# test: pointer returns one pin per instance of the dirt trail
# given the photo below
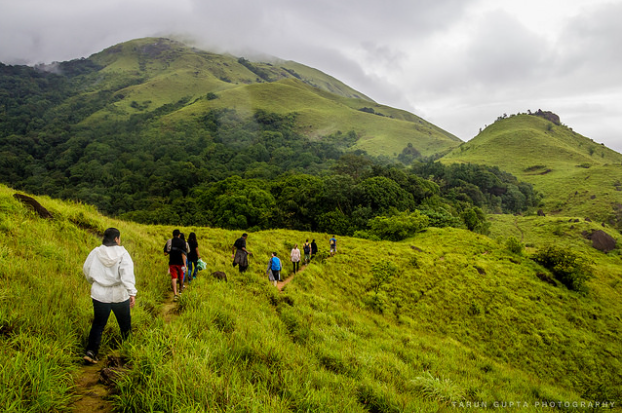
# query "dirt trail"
(92, 391)
(91, 388)
(169, 309)
(281, 284)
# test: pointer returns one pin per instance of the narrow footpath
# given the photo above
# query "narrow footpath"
(91, 391)
(91, 387)
(93, 383)
(281, 284)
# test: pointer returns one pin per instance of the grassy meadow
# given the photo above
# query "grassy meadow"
(448, 319)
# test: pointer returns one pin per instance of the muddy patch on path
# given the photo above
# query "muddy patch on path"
(281, 284)
(92, 391)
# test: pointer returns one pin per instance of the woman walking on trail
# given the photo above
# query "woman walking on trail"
(313, 248)
(295, 257)
(193, 256)
(184, 279)
(307, 250)
(240, 253)
(274, 269)
(110, 271)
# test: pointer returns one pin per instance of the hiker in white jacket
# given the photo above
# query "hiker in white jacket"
(110, 271)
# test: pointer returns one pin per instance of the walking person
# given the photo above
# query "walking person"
(240, 253)
(333, 245)
(193, 256)
(274, 269)
(313, 248)
(295, 257)
(110, 271)
(307, 250)
(184, 278)
(176, 261)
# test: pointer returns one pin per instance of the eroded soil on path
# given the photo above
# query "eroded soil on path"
(92, 391)
(95, 382)
(281, 284)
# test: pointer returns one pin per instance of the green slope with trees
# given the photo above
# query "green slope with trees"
(141, 127)
(575, 175)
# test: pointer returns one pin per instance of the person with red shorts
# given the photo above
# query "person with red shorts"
(176, 250)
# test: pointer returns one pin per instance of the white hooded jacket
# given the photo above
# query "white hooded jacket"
(110, 270)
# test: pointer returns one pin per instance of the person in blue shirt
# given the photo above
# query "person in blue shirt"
(333, 245)
(274, 269)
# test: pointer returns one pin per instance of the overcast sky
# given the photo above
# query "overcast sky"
(457, 63)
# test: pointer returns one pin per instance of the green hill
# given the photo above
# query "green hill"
(141, 125)
(448, 319)
(164, 71)
(577, 176)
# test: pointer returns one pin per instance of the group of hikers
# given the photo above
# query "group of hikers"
(240, 256)
(110, 271)
(183, 260)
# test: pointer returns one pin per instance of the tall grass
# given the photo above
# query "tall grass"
(462, 320)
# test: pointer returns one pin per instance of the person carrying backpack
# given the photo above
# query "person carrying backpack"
(333, 245)
(240, 254)
(274, 269)
(307, 250)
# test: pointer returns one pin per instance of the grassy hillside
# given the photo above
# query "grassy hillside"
(161, 71)
(577, 176)
(385, 132)
(429, 324)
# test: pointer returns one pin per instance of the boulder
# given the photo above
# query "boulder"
(603, 241)
(219, 275)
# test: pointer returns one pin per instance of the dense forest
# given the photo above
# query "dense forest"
(224, 169)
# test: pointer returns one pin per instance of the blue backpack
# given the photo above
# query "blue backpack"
(275, 264)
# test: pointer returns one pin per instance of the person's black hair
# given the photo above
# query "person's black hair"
(192, 237)
(109, 235)
(244, 235)
(274, 253)
(176, 233)
(182, 236)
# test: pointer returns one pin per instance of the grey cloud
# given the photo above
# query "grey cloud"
(590, 44)
(392, 52)
(505, 52)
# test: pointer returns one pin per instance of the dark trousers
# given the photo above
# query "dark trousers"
(296, 266)
(102, 312)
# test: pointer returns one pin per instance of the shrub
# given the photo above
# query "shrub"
(475, 220)
(514, 246)
(398, 227)
(570, 268)
(441, 218)
(366, 235)
(383, 272)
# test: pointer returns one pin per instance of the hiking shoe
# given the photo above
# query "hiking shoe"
(90, 357)
(176, 298)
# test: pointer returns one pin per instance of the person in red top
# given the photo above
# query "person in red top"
(176, 251)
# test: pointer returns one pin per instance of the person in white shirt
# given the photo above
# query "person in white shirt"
(110, 271)
(295, 257)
